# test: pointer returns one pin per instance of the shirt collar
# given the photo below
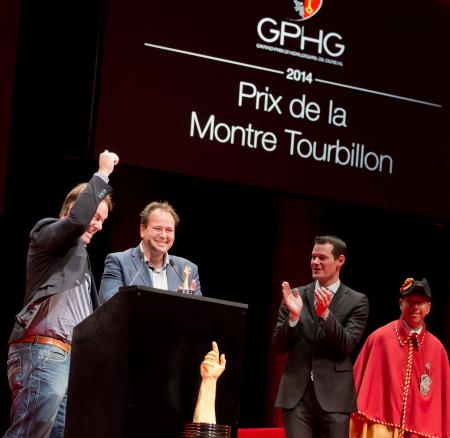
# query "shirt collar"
(332, 287)
(146, 261)
(411, 330)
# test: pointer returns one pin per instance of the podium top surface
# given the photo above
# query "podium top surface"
(127, 289)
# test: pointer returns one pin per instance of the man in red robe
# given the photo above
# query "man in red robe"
(402, 375)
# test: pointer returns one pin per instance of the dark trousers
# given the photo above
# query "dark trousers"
(309, 420)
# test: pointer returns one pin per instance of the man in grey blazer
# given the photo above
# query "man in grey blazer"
(319, 325)
(150, 264)
(60, 293)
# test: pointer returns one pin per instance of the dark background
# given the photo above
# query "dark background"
(245, 239)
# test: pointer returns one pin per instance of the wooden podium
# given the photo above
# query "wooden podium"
(135, 364)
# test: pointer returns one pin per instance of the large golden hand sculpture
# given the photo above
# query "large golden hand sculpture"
(211, 368)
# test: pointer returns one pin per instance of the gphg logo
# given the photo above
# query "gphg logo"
(270, 31)
(306, 9)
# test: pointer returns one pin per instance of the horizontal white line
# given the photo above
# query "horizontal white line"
(214, 58)
(271, 70)
(366, 90)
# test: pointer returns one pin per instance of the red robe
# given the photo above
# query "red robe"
(381, 374)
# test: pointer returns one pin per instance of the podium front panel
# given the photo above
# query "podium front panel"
(135, 364)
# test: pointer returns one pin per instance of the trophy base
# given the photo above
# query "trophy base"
(206, 430)
(181, 290)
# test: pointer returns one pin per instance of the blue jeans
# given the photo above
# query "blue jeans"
(38, 376)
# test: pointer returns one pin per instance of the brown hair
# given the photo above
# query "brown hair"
(339, 246)
(163, 205)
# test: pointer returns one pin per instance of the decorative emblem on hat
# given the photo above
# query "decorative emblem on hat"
(407, 284)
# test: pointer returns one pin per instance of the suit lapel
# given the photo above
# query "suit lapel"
(309, 295)
(172, 279)
(93, 288)
(338, 299)
(310, 325)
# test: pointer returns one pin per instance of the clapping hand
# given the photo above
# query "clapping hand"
(292, 300)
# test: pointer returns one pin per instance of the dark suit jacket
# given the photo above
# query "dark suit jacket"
(57, 259)
(323, 347)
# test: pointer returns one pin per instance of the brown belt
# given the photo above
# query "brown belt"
(37, 339)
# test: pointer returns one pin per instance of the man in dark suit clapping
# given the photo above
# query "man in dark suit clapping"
(319, 325)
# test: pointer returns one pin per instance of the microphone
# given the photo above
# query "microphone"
(181, 288)
(172, 263)
(138, 270)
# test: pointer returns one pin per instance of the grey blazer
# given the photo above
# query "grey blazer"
(322, 347)
(127, 268)
(57, 259)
